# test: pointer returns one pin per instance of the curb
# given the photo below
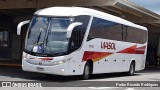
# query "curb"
(11, 65)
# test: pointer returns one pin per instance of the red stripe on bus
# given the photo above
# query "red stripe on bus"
(140, 50)
(130, 50)
(46, 58)
(96, 56)
(134, 50)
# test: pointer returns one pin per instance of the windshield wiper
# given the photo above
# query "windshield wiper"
(37, 40)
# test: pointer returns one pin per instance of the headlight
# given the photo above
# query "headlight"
(61, 61)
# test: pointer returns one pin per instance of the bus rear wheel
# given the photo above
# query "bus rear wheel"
(86, 71)
(131, 69)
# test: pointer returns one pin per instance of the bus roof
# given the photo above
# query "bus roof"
(76, 11)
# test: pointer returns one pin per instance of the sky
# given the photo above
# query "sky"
(153, 5)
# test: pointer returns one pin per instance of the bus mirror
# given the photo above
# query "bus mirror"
(71, 27)
(20, 26)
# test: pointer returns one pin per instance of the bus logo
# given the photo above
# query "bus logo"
(40, 63)
(108, 45)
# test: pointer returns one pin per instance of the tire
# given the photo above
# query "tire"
(131, 69)
(86, 71)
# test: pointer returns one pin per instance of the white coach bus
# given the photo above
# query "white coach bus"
(82, 41)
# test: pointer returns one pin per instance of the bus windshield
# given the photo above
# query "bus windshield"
(48, 35)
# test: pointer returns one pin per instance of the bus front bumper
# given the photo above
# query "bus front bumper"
(56, 69)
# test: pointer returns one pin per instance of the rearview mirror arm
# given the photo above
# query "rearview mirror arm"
(20, 26)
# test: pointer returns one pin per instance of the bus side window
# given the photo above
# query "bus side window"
(76, 38)
(135, 35)
(90, 37)
(78, 32)
(105, 29)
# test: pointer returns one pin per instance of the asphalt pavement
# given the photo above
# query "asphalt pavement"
(100, 81)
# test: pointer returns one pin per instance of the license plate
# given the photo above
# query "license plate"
(40, 68)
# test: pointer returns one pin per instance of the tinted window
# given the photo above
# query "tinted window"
(105, 29)
(78, 32)
(101, 28)
(135, 35)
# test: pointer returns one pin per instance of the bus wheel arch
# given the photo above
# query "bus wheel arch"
(88, 69)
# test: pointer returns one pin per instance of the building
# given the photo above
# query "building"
(13, 12)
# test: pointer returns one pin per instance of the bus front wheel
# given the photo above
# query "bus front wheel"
(86, 71)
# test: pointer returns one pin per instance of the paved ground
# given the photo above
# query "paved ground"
(74, 83)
